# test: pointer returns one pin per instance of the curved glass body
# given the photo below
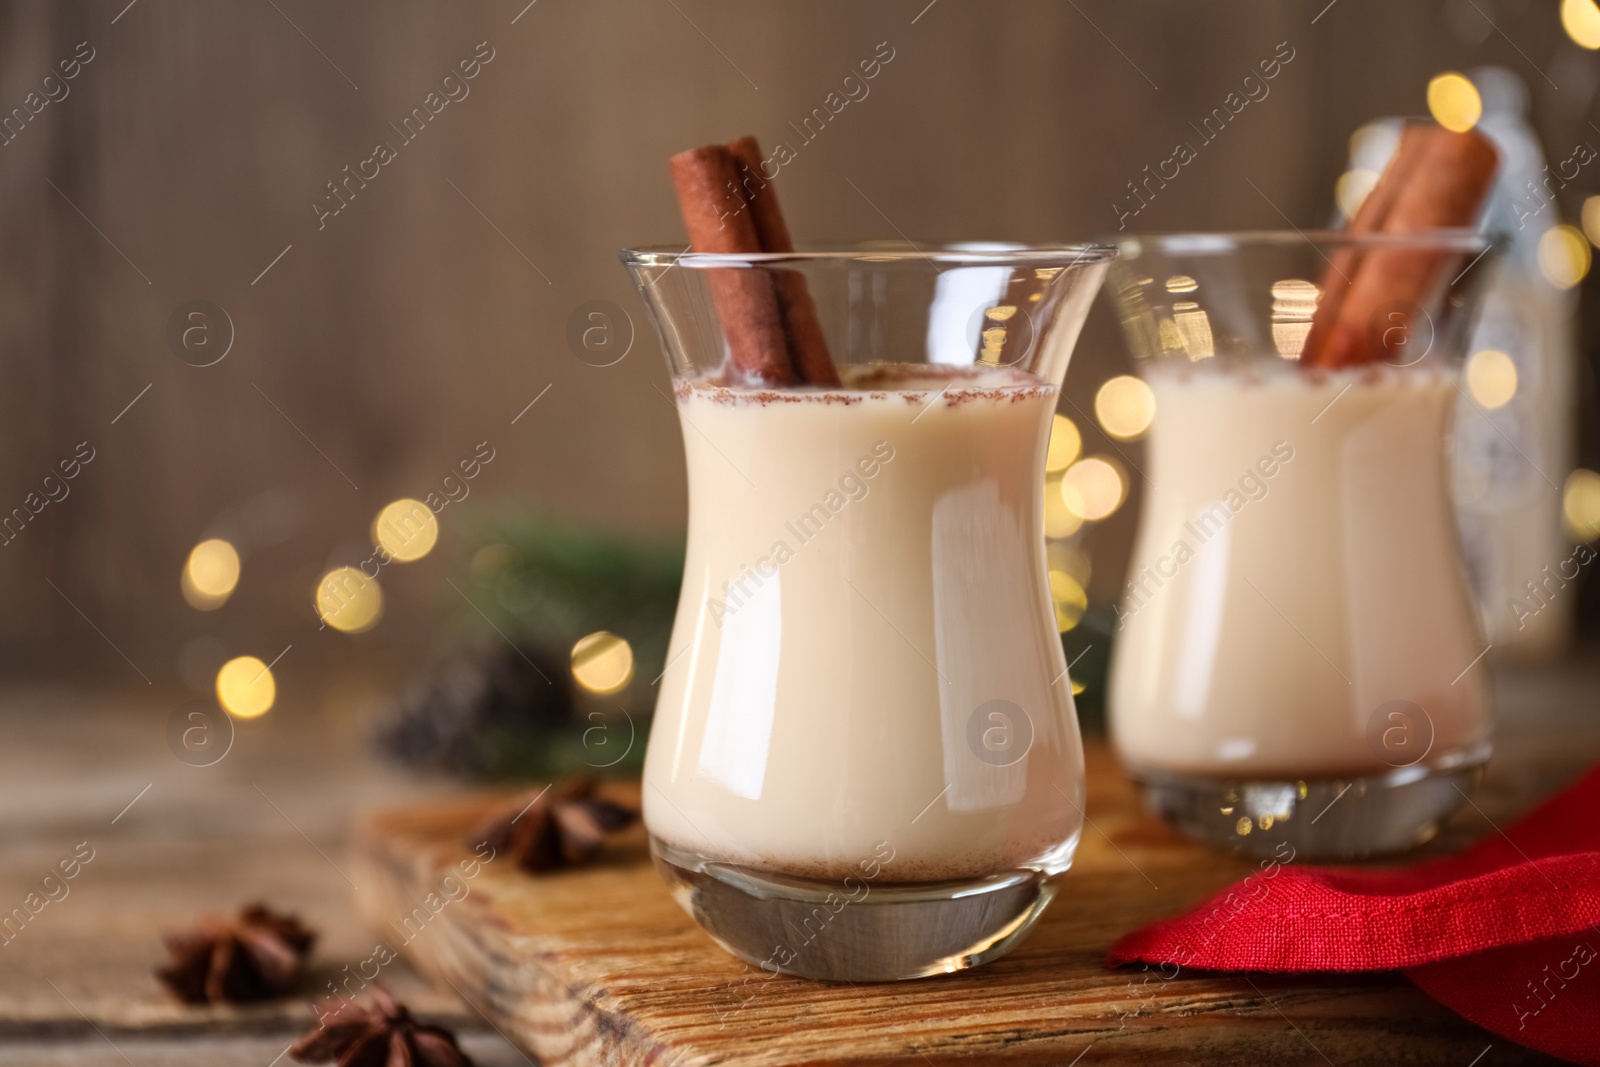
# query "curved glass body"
(866, 708)
(1297, 624)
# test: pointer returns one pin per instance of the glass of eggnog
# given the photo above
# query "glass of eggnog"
(1298, 663)
(864, 763)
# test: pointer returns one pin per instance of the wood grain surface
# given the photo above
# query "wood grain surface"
(600, 967)
(171, 842)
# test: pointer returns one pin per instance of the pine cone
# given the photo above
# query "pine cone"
(563, 825)
(254, 957)
(476, 713)
(355, 1036)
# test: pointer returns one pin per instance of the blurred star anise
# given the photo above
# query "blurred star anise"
(564, 825)
(356, 1036)
(255, 956)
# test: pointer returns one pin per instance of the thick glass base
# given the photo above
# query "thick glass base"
(1344, 818)
(860, 929)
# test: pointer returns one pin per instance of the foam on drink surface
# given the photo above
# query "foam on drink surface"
(910, 383)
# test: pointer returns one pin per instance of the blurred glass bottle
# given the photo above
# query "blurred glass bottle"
(1513, 437)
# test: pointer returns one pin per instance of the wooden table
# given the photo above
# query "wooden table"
(599, 966)
(269, 822)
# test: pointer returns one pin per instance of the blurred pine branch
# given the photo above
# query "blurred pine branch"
(550, 582)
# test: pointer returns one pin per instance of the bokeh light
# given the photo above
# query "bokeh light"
(245, 687)
(602, 663)
(1065, 444)
(1581, 19)
(1069, 598)
(348, 600)
(1351, 190)
(1093, 488)
(1591, 220)
(1454, 102)
(492, 558)
(1491, 378)
(210, 575)
(1375, 142)
(1563, 256)
(1071, 559)
(1294, 305)
(1059, 521)
(1125, 406)
(1192, 330)
(406, 529)
(1580, 505)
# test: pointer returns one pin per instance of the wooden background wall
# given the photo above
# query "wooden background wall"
(381, 348)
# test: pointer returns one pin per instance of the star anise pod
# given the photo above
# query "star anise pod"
(565, 825)
(384, 1036)
(255, 956)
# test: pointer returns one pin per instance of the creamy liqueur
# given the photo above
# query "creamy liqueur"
(865, 652)
(1297, 574)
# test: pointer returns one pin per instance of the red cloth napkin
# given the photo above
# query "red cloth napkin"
(1506, 934)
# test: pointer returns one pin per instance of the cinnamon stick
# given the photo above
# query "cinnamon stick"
(1438, 179)
(706, 180)
(1370, 217)
(808, 348)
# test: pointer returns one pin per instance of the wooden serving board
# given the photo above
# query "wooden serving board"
(600, 966)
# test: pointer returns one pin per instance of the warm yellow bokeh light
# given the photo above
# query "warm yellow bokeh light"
(210, 574)
(602, 663)
(1069, 598)
(1294, 305)
(1454, 102)
(1059, 521)
(406, 529)
(1351, 190)
(1376, 141)
(1591, 220)
(1065, 444)
(1491, 378)
(492, 559)
(245, 687)
(1581, 19)
(1092, 488)
(1580, 505)
(1070, 559)
(1125, 406)
(1563, 256)
(348, 600)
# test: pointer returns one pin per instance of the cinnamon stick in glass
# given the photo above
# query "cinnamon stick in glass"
(1438, 179)
(808, 348)
(715, 215)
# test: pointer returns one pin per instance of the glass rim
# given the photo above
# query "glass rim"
(961, 254)
(1200, 243)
